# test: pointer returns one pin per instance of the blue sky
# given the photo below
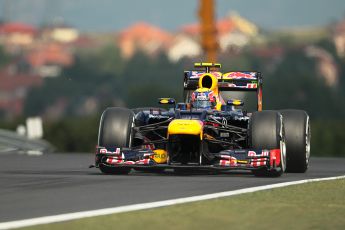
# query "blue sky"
(112, 15)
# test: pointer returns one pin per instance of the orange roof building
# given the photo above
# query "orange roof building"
(52, 53)
(144, 37)
(17, 34)
(17, 27)
(232, 31)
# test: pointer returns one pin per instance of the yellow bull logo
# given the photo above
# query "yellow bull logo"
(160, 156)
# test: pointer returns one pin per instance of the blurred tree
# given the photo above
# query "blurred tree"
(4, 58)
(86, 78)
(296, 84)
(73, 134)
(110, 60)
(239, 62)
(328, 138)
(293, 82)
(329, 46)
(148, 79)
(140, 82)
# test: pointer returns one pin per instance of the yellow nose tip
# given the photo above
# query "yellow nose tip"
(182, 126)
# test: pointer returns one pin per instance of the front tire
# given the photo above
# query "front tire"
(297, 134)
(266, 131)
(115, 130)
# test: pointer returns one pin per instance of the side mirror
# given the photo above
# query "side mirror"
(166, 101)
(234, 102)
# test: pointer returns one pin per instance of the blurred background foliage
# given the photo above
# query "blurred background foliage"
(101, 78)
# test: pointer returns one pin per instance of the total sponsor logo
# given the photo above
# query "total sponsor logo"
(159, 156)
(105, 151)
(198, 74)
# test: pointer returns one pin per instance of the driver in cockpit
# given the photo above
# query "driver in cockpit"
(204, 98)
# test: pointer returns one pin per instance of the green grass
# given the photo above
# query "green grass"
(318, 205)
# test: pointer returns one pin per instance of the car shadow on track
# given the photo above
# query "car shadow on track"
(171, 173)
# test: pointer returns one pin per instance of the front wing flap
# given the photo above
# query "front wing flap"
(247, 159)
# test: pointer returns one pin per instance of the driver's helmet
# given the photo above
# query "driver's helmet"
(203, 98)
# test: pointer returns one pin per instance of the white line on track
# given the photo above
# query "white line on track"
(135, 207)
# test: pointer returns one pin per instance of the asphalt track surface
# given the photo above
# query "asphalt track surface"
(35, 186)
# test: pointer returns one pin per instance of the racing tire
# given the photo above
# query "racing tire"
(266, 131)
(115, 130)
(297, 137)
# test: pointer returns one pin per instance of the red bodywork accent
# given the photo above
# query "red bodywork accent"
(210, 123)
(257, 162)
(275, 157)
(259, 95)
(120, 161)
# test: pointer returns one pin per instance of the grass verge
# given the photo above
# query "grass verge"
(318, 205)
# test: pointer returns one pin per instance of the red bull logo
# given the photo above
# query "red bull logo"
(240, 75)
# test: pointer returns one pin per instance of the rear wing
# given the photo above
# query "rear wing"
(230, 81)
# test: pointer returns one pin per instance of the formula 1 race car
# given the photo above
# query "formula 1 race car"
(205, 132)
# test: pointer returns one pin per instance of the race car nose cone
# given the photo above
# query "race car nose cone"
(182, 126)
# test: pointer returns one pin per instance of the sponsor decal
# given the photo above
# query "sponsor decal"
(117, 161)
(248, 86)
(114, 160)
(198, 74)
(252, 86)
(239, 75)
(227, 161)
(251, 153)
(258, 161)
(160, 156)
(202, 97)
(105, 151)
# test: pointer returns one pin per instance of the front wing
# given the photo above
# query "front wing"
(245, 159)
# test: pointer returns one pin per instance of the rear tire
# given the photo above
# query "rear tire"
(266, 131)
(297, 135)
(115, 130)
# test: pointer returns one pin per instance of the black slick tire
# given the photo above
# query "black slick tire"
(266, 131)
(297, 136)
(115, 130)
